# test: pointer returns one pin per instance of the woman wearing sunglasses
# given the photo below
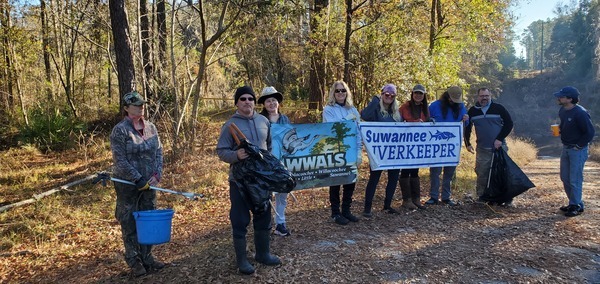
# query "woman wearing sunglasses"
(340, 107)
(383, 108)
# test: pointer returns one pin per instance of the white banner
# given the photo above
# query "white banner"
(407, 145)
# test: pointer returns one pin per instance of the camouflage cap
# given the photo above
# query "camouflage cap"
(133, 98)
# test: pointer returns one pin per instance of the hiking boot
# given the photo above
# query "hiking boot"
(418, 204)
(138, 269)
(156, 265)
(432, 201)
(449, 202)
(566, 208)
(407, 203)
(367, 214)
(573, 211)
(281, 230)
(390, 210)
(350, 217)
(340, 220)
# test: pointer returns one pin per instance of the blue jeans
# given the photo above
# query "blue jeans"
(434, 178)
(571, 173)
(280, 205)
(390, 188)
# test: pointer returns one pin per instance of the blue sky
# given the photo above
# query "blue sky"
(528, 11)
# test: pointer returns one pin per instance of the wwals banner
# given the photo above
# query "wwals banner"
(406, 145)
(319, 154)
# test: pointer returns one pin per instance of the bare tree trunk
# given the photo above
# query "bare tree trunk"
(46, 51)
(317, 83)
(207, 41)
(347, 36)
(161, 20)
(12, 71)
(121, 35)
(145, 34)
(177, 114)
(432, 26)
(8, 80)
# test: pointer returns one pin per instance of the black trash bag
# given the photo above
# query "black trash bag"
(260, 174)
(506, 179)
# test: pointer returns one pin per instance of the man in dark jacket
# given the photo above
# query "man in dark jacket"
(492, 124)
(257, 129)
(576, 132)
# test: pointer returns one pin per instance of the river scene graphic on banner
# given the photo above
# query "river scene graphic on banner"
(317, 154)
(402, 145)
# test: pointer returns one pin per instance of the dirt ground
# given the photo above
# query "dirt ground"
(471, 243)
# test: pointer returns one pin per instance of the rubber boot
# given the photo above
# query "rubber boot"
(261, 242)
(241, 256)
(415, 189)
(406, 195)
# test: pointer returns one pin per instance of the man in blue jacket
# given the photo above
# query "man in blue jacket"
(576, 132)
(492, 124)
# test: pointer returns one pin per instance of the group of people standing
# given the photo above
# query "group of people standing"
(339, 107)
(138, 158)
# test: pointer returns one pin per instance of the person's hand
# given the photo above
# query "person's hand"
(241, 154)
(142, 185)
(465, 117)
(497, 144)
(153, 180)
(470, 149)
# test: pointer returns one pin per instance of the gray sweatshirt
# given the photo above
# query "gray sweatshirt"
(257, 130)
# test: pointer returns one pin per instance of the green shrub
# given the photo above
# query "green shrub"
(51, 131)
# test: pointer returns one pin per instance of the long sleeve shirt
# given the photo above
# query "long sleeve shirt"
(493, 124)
(136, 154)
(576, 126)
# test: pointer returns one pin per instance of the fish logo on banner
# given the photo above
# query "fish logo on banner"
(442, 135)
(402, 145)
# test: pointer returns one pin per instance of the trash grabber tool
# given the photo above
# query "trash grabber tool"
(490, 174)
(105, 176)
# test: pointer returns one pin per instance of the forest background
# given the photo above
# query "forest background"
(67, 63)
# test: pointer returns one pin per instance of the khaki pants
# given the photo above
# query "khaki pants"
(483, 160)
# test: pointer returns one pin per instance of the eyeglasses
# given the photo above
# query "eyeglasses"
(340, 91)
(389, 95)
(243, 99)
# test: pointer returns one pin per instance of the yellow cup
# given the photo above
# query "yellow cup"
(555, 131)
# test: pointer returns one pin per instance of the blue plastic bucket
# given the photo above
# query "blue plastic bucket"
(153, 226)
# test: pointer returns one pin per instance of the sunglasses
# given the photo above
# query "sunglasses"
(243, 99)
(389, 95)
(340, 91)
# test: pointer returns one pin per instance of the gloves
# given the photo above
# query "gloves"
(153, 180)
(141, 185)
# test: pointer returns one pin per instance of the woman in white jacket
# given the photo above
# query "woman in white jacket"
(340, 107)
